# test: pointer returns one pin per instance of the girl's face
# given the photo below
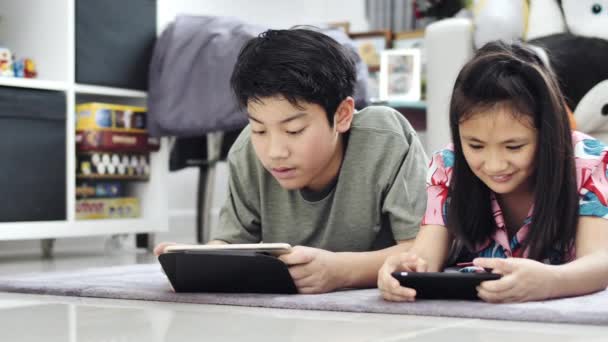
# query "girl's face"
(500, 149)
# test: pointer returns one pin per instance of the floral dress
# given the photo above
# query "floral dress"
(591, 158)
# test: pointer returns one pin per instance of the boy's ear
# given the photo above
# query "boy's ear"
(344, 115)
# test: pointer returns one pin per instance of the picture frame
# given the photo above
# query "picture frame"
(400, 75)
(408, 40)
(344, 26)
(370, 44)
(413, 40)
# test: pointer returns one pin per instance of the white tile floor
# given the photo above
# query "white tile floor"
(67, 319)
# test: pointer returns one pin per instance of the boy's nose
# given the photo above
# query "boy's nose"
(277, 149)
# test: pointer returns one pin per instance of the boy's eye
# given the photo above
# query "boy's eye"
(295, 132)
(515, 148)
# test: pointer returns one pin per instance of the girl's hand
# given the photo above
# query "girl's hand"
(389, 286)
(522, 280)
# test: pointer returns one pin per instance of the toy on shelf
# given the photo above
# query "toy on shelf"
(111, 117)
(107, 208)
(29, 70)
(25, 68)
(6, 62)
(88, 189)
(104, 165)
(113, 147)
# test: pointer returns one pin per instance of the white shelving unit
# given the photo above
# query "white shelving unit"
(45, 31)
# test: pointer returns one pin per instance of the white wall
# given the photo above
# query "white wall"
(268, 13)
(271, 13)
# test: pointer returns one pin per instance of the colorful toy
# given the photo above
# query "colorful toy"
(19, 68)
(6, 62)
(29, 68)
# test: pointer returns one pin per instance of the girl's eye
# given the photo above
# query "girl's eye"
(476, 147)
(515, 148)
(295, 132)
(258, 132)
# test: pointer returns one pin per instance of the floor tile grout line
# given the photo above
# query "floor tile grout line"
(426, 331)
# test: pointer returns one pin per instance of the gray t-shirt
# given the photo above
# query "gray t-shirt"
(378, 197)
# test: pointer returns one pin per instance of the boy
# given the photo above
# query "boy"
(309, 171)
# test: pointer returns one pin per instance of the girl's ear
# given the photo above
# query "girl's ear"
(344, 115)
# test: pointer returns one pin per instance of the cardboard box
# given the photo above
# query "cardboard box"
(92, 140)
(90, 189)
(111, 117)
(107, 208)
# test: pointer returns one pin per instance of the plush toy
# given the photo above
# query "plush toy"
(579, 58)
(499, 20)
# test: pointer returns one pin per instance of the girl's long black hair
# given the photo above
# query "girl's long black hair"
(512, 74)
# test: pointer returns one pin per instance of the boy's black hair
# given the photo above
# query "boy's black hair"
(513, 75)
(297, 64)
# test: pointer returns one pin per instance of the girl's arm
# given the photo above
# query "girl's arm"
(428, 254)
(432, 244)
(527, 280)
(589, 272)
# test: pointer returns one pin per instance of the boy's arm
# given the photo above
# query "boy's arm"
(217, 242)
(431, 244)
(360, 269)
(317, 270)
(239, 220)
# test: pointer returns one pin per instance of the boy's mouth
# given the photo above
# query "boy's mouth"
(283, 172)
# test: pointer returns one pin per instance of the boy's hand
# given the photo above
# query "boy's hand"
(522, 280)
(160, 248)
(313, 270)
(390, 287)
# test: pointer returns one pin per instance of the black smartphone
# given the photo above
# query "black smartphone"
(444, 285)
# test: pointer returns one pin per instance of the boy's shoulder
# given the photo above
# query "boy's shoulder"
(241, 152)
(381, 119)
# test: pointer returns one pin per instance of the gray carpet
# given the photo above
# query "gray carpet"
(147, 282)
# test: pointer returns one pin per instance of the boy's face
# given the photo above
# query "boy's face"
(296, 145)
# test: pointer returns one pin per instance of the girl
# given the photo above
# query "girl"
(518, 192)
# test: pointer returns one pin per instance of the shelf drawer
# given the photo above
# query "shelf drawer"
(32, 155)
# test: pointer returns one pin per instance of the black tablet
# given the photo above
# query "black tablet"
(444, 285)
(230, 271)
